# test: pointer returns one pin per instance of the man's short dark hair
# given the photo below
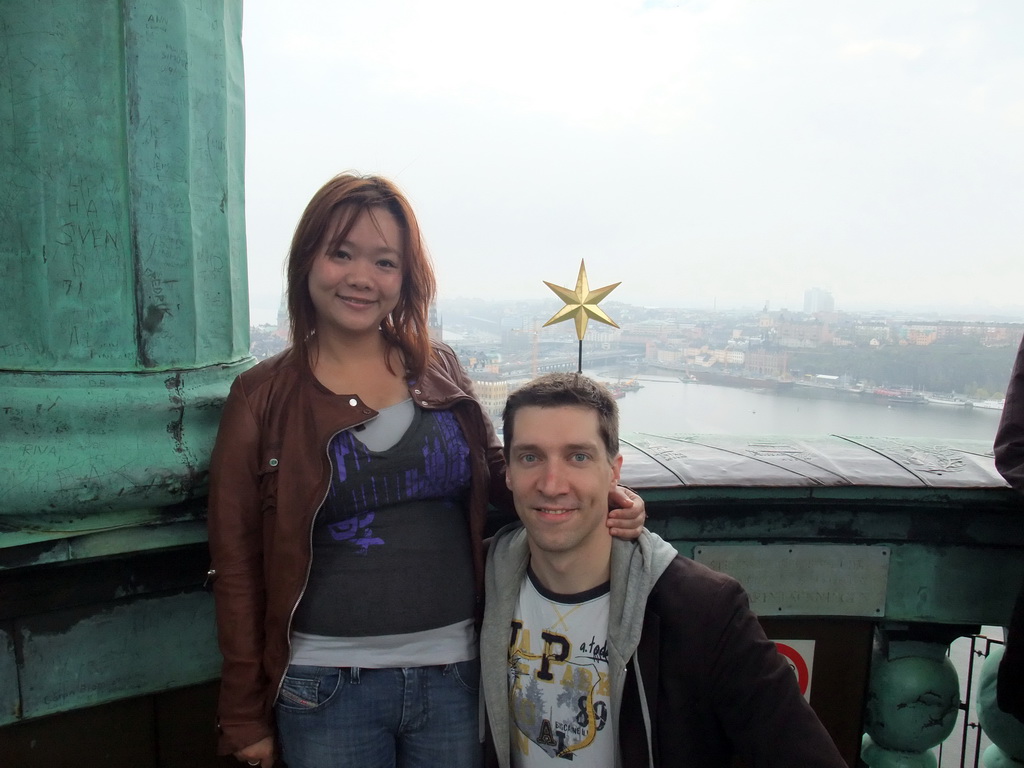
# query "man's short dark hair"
(558, 389)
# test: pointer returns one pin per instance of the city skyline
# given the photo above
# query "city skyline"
(541, 306)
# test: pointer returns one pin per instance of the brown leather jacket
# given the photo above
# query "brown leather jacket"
(269, 473)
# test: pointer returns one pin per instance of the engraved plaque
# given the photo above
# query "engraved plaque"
(805, 579)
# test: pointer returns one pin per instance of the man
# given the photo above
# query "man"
(1009, 454)
(618, 653)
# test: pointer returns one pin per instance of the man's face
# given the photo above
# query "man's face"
(560, 475)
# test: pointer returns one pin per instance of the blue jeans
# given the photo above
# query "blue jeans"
(417, 717)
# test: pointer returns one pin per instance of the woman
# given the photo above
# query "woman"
(349, 485)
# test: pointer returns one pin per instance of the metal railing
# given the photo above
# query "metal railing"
(968, 741)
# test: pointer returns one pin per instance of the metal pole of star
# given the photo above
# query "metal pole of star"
(581, 305)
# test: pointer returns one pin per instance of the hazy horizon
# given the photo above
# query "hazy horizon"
(544, 306)
(712, 153)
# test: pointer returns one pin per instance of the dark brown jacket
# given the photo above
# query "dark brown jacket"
(1009, 442)
(693, 680)
(269, 474)
(704, 705)
(1009, 451)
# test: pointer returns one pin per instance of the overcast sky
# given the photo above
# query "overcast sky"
(707, 153)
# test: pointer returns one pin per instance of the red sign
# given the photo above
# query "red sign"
(800, 655)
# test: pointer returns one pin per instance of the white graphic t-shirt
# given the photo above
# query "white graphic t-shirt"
(558, 681)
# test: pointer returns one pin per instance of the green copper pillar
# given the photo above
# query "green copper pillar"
(123, 296)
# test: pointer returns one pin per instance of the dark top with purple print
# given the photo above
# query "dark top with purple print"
(391, 536)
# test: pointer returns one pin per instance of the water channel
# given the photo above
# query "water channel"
(665, 405)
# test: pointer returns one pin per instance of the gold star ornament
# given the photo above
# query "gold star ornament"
(581, 304)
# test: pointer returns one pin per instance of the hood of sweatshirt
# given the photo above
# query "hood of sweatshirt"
(635, 567)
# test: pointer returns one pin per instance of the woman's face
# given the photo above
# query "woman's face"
(355, 285)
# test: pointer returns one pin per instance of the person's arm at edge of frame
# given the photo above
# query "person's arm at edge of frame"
(1009, 455)
(235, 524)
(1009, 441)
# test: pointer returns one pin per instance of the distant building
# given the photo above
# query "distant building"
(874, 333)
(919, 335)
(284, 322)
(818, 300)
(435, 328)
(665, 355)
(769, 364)
(492, 390)
(805, 335)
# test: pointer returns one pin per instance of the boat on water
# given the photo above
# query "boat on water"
(619, 387)
(617, 390)
(950, 400)
(989, 405)
(729, 379)
(894, 397)
(826, 391)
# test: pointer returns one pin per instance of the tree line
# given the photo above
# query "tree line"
(945, 366)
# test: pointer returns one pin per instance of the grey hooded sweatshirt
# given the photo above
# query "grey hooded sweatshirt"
(635, 568)
(694, 679)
